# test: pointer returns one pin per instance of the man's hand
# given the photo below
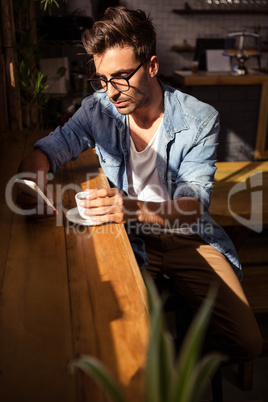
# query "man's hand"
(35, 207)
(109, 205)
(35, 167)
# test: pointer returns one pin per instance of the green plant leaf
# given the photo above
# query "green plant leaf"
(167, 371)
(48, 3)
(159, 370)
(61, 71)
(46, 98)
(190, 349)
(200, 377)
(203, 372)
(152, 375)
(95, 369)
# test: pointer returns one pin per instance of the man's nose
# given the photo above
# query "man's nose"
(111, 91)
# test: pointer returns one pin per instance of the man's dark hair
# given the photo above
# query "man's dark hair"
(120, 26)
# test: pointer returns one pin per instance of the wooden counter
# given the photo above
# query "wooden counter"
(240, 194)
(187, 78)
(66, 290)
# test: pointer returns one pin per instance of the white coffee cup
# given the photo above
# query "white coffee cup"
(80, 197)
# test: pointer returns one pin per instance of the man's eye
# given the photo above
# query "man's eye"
(100, 77)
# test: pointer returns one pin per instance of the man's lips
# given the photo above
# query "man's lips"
(119, 103)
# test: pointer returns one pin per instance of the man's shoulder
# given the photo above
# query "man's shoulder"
(188, 104)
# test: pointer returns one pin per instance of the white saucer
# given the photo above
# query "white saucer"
(73, 216)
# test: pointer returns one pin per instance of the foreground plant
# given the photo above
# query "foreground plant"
(165, 380)
(48, 4)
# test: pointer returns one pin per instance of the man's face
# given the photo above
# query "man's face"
(120, 62)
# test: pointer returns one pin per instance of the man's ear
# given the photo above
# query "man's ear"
(153, 66)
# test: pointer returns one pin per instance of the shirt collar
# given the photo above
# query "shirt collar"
(174, 119)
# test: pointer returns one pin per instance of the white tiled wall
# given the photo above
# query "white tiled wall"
(175, 29)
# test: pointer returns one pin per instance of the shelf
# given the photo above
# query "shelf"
(186, 48)
(183, 48)
(204, 78)
(213, 11)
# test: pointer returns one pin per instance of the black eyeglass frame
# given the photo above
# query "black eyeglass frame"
(104, 88)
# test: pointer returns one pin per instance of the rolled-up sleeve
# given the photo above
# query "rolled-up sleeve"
(67, 142)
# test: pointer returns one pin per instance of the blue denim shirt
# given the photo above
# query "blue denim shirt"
(186, 155)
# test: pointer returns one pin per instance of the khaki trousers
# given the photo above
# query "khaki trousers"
(193, 266)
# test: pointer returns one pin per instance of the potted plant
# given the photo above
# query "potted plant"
(165, 380)
(32, 80)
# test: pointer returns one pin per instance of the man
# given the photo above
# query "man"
(157, 147)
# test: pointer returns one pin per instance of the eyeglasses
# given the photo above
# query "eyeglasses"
(121, 84)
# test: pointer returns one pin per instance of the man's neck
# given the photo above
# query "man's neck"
(145, 118)
(143, 123)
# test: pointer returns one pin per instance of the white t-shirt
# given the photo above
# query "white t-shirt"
(144, 182)
(143, 179)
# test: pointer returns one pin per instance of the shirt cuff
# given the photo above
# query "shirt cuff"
(195, 191)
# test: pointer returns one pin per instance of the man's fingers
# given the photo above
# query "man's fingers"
(102, 193)
(105, 205)
(102, 210)
(34, 208)
(97, 203)
(102, 198)
(116, 218)
(25, 201)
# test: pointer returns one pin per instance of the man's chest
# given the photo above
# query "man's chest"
(143, 136)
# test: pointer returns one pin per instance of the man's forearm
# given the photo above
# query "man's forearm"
(110, 205)
(186, 210)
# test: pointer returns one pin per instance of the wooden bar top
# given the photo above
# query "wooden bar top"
(66, 290)
(240, 194)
